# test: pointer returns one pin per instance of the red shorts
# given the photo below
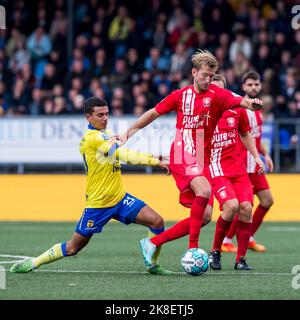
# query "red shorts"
(259, 182)
(187, 195)
(227, 188)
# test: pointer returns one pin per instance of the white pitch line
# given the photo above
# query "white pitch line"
(23, 258)
(283, 229)
(179, 273)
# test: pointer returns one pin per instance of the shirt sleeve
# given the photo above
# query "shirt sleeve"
(243, 122)
(111, 149)
(169, 103)
(103, 143)
(228, 99)
(136, 158)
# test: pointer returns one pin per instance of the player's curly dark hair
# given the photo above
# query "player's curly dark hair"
(92, 102)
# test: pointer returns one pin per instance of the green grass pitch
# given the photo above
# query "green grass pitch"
(111, 267)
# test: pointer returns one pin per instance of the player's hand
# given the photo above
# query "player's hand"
(269, 162)
(164, 159)
(257, 104)
(252, 104)
(122, 138)
(165, 167)
(261, 165)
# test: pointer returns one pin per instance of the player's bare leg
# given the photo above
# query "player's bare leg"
(151, 219)
(207, 215)
(265, 203)
(56, 252)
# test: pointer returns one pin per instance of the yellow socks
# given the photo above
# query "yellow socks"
(157, 251)
(54, 253)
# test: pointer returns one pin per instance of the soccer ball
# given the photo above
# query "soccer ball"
(195, 261)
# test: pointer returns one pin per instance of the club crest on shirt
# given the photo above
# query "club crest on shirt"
(90, 223)
(230, 122)
(206, 102)
(105, 136)
(223, 194)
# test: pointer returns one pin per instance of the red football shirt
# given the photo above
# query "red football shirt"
(197, 117)
(226, 158)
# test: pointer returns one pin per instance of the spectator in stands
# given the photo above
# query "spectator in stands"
(156, 61)
(119, 31)
(183, 33)
(49, 79)
(115, 49)
(134, 64)
(36, 105)
(39, 44)
(100, 66)
(77, 105)
(20, 98)
(178, 62)
(120, 76)
(159, 36)
(240, 44)
(19, 57)
(59, 106)
(15, 37)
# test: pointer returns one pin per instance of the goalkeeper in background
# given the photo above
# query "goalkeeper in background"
(106, 197)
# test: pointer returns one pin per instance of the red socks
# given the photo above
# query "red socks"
(180, 229)
(222, 227)
(197, 212)
(258, 217)
(191, 225)
(243, 232)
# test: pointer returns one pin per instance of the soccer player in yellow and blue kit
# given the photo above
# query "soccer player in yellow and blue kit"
(106, 197)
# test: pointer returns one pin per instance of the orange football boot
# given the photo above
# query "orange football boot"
(229, 247)
(252, 245)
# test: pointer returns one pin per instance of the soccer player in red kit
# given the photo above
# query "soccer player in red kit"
(252, 88)
(230, 182)
(199, 107)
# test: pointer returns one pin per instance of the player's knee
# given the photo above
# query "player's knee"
(158, 222)
(205, 193)
(71, 249)
(230, 209)
(267, 202)
(245, 207)
(245, 211)
(206, 220)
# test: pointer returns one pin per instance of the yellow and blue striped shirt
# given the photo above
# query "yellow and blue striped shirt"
(102, 156)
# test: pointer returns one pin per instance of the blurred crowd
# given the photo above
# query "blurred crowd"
(133, 53)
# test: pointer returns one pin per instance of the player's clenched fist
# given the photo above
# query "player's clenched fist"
(252, 104)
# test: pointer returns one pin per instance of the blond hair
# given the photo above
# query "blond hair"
(204, 57)
(219, 77)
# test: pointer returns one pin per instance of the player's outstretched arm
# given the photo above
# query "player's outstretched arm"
(139, 158)
(249, 144)
(113, 151)
(252, 104)
(140, 123)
